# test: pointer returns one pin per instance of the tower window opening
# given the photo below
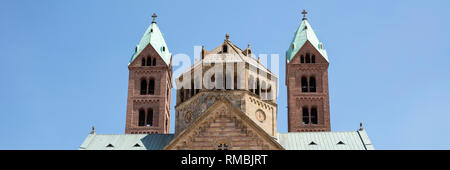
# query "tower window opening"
(264, 90)
(143, 87)
(304, 84)
(258, 87)
(149, 121)
(141, 117)
(302, 59)
(305, 113)
(251, 84)
(149, 61)
(154, 62)
(313, 115)
(308, 59)
(312, 84)
(313, 59)
(151, 86)
(225, 49)
(143, 62)
(269, 93)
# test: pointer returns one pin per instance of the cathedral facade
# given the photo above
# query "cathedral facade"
(227, 100)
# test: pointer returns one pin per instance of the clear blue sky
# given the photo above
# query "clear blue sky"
(63, 64)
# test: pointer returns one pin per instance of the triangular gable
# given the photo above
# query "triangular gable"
(148, 51)
(308, 45)
(212, 128)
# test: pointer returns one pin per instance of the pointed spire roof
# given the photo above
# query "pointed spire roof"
(304, 33)
(154, 37)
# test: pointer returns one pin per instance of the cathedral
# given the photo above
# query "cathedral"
(227, 100)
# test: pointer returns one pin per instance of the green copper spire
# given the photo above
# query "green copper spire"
(304, 33)
(154, 37)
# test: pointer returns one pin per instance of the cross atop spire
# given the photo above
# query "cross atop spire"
(154, 17)
(304, 14)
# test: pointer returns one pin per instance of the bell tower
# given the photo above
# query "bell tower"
(149, 85)
(307, 82)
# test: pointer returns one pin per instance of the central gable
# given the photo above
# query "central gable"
(221, 127)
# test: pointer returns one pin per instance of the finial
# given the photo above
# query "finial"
(248, 46)
(227, 36)
(304, 14)
(154, 17)
(93, 130)
(360, 126)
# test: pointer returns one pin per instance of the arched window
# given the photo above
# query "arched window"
(313, 59)
(312, 84)
(251, 84)
(143, 62)
(308, 59)
(302, 59)
(222, 146)
(149, 61)
(141, 117)
(151, 86)
(314, 115)
(149, 121)
(269, 93)
(154, 61)
(143, 86)
(225, 49)
(264, 90)
(305, 115)
(304, 84)
(258, 87)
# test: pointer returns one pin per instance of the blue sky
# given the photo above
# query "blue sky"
(63, 64)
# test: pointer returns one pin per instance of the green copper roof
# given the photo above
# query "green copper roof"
(154, 37)
(304, 33)
(350, 140)
(126, 142)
